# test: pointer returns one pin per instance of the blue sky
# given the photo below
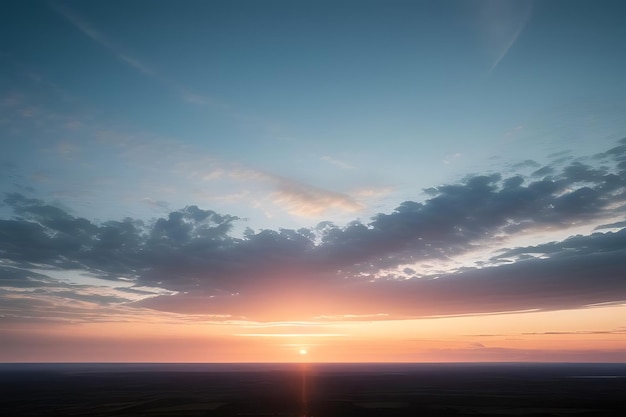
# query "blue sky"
(316, 116)
(350, 97)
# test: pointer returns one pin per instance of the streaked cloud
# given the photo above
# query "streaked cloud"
(298, 198)
(90, 30)
(337, 162)
(291, 335)
(501, 23)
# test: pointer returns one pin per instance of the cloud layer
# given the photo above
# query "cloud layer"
(357, 270)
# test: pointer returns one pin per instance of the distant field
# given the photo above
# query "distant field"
(331, 390)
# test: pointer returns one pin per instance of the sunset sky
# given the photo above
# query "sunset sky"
(371, 181)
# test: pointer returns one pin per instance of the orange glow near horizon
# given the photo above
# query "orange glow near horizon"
(592, 334)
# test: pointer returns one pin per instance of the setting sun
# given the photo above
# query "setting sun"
(303, 352)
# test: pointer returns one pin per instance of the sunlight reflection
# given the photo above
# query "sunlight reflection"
(303, 393)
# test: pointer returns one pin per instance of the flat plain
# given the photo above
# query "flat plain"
(324, 390)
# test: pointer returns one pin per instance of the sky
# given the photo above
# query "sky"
(366, 181)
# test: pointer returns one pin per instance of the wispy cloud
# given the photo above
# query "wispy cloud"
(583, 332)
(90, 30)
(309, 201)
(337, 162)
(298, 198)
(451, 158)
(291, 335)
(502, 22)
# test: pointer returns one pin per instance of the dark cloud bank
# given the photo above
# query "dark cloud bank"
(328, 270)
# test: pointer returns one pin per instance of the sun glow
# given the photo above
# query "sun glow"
(303, 352)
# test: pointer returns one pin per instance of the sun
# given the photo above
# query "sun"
(303, 351)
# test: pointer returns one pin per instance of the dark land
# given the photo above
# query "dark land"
(330, 390)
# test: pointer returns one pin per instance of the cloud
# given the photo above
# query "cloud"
(262, 187)
(88, 29)
(332, 270)
(616, 225)
(451, 158)
(585, 332)
(573, 246)
(542, 172)
(157, 204)
(336, 162)
(309, 201)
(11, 277)
(298, 198)
(621, 330)
(503, 354)
(351, 317)
(529, 163)
(32, 296)
(502, 22)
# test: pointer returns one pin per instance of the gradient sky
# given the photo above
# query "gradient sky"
(368, 180)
